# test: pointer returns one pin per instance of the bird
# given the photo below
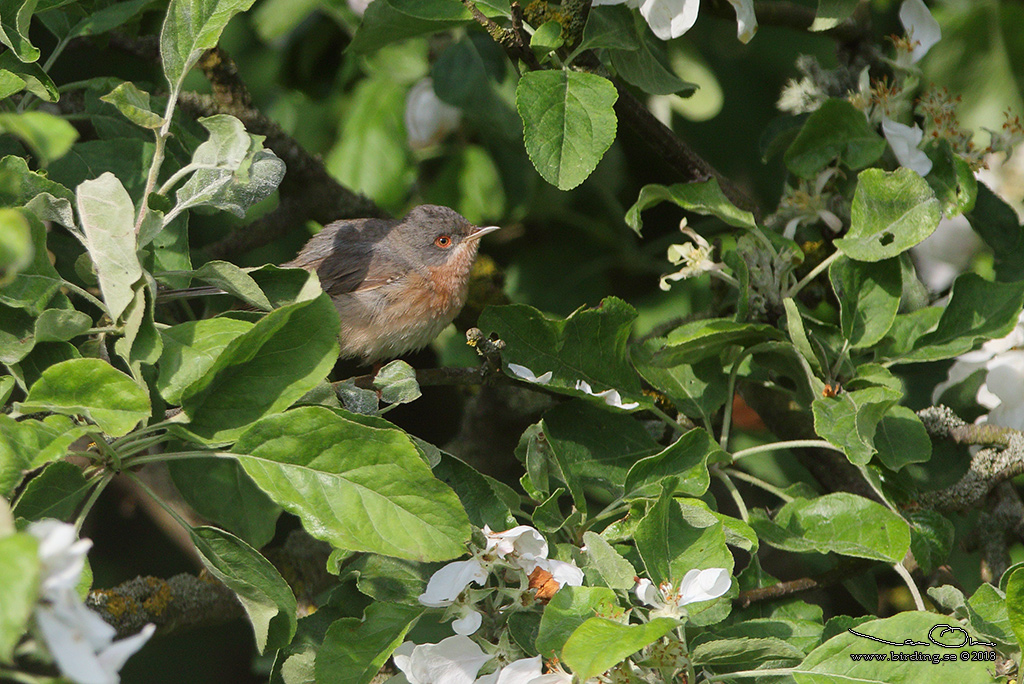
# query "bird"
(396, 283)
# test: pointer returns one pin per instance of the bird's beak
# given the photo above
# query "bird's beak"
(481, 231)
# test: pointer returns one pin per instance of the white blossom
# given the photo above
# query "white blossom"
(1003, 363)
(922, 30)
(81, 643)
(522, 542)
(455, 660)
(695, 257)
(359, 6)
(522, 671)
(528, 375)
(696, 585)
(445, 585)
(904, 141)
(944, 254)
(468, 622)
(563, 572)
(427, 119)
(610, 396)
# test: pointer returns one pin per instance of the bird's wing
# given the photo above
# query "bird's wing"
(343, 257)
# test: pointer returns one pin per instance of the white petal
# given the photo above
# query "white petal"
(611, 397)
(528, 375)
(468, 623)
(904, 141)
(117, 654)
(359, 6)
(522, 671)
(564, 573)
(703, 585)
(522, 541)
(427, 119)
(647, 593)
(669, 18)
(920, 26)
(745, 19)
(62, 557)
(69, 644)
(455, 660)
(446, 584)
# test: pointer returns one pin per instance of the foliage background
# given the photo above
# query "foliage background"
(558, 250)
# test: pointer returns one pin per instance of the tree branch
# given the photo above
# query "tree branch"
(783, 590)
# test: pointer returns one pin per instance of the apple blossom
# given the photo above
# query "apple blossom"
(455, 660)
(521, 541)
(904, 141)
(696, 585)
(695, 255)
(81, 643)
(922, 30)
(445, 585)
(522, 671)
(672, 18)
(427, 119)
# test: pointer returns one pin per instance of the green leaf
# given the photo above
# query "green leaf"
(191, 27)
(27, 76)
(48, 136)
(599, 644)
(610, 26)
(26, 444)
(547, 37)
(60, 325)
(849, 421)
(248, 380)
(931, 538)
(801, 634)
(353, 650)
(442, 10)
(891, 212)
(191, 349)
(831, 662)
(19, 184)
(37, 281)
(108, 18)
(977, 310)
(134, 104)
(646, 66)
(234, 170)
(869, 298)
(996, 223)
(686, 459)
(569, 608)
(952, 180)
(486, 500)
(568, 121)
(610, 568)
(593, 449)
(907, 329)
(90, 388)
(266, 597)
(901, 438)
(372, 153)
(705, 197)
(670, 546)
(697, 390)
(745, 653)
(1014, 602)
(19, 589)
(56, 492)
(397, 384)
(354, 486)
(831, 13)
(16, 251)
(219, 490)
(699, 514)
(108, 221)
(15, 17)
(842, 523)
(382, 24)
(837, 129)
(589, 345)
(699, 340)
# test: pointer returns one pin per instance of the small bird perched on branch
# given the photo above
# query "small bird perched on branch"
(396, 283)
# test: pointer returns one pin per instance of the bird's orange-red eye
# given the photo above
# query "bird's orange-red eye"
(443, 241)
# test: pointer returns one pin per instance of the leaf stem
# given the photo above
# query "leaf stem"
(94, 495)
(178, 456)
(778, 446)
(825, 263)
(733, 492)
(85, 294)
(911, 585)
(758, 482)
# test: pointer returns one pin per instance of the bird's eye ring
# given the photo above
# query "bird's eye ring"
(443, 241)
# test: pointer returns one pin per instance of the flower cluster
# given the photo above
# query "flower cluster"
(696, 585)
(81, 643)
(521, 548)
